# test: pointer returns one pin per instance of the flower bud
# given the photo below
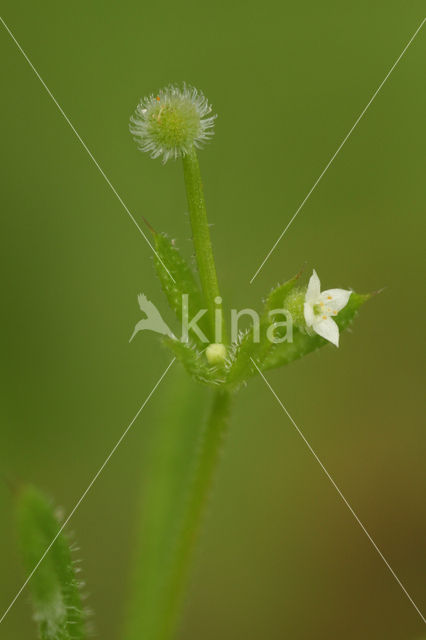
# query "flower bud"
(216, 353)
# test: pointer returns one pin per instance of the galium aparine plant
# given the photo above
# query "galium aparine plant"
(172, 124)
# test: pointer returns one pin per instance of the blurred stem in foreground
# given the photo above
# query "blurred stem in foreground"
(205, 465)
(182, 459)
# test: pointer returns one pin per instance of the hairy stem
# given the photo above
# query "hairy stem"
(201, 239)
(184, 460)
(205, 465)
(180, 465)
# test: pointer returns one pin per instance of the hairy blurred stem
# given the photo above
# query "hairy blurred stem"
(201, 237)
(205, 464)
(177, 476)
(180, 468)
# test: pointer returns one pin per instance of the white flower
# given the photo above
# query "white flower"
(169, 124)
(320, 306)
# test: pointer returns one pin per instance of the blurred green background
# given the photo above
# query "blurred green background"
(281, 556)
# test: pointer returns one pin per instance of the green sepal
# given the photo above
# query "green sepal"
(57, 602)
(184, 281)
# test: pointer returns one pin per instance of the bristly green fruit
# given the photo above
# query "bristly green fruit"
(57, 602)
(171, 123)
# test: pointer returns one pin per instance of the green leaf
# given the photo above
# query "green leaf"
(277, 296)
(185, 282)
(55, 590)
(242, 366)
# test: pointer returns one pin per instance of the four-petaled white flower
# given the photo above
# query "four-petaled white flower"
(320, 306)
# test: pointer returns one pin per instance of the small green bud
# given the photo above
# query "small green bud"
(172, 122)
(216, 353)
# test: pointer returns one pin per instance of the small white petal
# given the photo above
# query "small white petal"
(314, 288)
(327, 329)
(308, 312)
(335, 299)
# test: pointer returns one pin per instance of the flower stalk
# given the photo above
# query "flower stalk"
(201, 238)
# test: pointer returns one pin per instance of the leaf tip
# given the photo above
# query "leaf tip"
(150, 227)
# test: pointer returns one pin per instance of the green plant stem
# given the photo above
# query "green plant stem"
(177, 478)
(183, 468)
(170, 449)
(205, 465)
(201, 237)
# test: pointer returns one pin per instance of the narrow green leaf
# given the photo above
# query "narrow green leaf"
(185, 282)
(57, 603)
(277, 296)
(242, 366)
